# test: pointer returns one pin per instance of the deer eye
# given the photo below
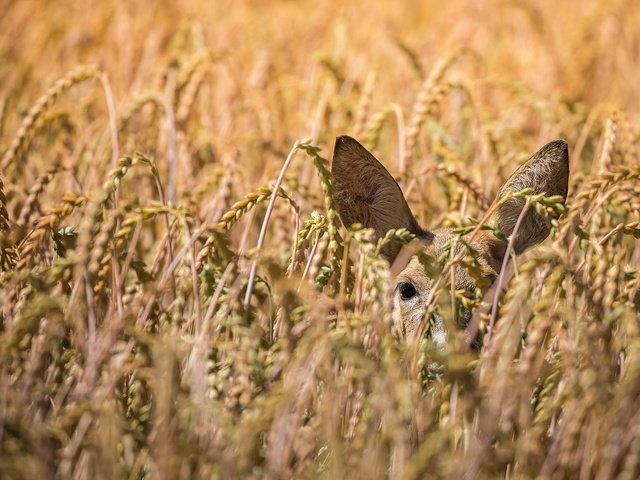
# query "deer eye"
(407, 290)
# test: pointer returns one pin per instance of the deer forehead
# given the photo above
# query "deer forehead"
(433, 247)
(414, 271)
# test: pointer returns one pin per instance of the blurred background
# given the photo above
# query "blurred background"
(577, 51)
(263, 74)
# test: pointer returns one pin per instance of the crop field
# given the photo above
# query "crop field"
(179, 297)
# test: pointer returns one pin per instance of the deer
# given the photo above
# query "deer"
(367, 194)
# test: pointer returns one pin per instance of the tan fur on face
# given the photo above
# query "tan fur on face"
(409, 314)
(366, 193)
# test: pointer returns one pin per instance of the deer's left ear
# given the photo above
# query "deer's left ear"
(366, 193)
(546, 171)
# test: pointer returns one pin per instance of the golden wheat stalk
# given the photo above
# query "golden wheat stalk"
(21, 140)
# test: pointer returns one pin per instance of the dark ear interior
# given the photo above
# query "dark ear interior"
(546, 171)
(366, 193)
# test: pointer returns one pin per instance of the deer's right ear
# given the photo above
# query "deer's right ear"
(366, 193)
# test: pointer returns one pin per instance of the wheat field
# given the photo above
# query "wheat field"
(178, 296)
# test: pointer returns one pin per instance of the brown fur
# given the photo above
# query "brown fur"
(366, 193)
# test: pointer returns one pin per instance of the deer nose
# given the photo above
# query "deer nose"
(407, 290)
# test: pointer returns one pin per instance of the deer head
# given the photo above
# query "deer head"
(367, 194)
